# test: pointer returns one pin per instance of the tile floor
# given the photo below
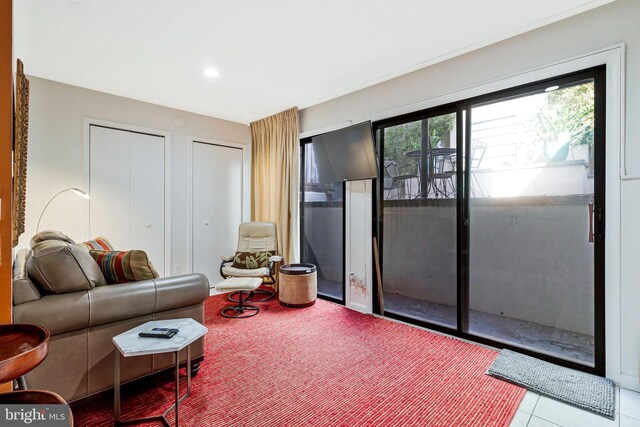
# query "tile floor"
(540, 411)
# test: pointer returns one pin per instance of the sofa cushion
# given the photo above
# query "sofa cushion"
(99, 243)
(50, 235)
(58, 267)
(252, 260)
(124, 266)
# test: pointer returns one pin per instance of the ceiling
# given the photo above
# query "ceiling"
(271, 55)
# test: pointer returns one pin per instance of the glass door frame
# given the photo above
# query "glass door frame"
(341, 301)
(463, 144)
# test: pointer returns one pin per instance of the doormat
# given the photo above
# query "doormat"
(586, 391)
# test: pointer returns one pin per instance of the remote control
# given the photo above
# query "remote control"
(166, 330)
(158, 333)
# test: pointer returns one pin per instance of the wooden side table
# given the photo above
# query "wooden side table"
(129, 344)
(22, 348)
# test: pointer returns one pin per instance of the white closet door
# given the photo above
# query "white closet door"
(109, 178)
(217, 206)
(147, 197)
(126, 182)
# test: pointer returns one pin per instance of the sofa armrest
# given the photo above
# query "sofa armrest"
(181, 291)
(23, 288)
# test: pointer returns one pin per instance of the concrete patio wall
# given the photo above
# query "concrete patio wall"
(324, 234)
(550, 179)
(530, 258)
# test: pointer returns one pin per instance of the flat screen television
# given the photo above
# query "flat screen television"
(346, 154)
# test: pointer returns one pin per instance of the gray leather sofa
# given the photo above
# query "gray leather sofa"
(58, 285)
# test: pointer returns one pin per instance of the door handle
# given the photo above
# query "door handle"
(599, 223)
(591, 232)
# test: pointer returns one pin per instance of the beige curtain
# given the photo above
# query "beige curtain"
(275, 165)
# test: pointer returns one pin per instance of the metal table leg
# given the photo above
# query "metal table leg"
(116, 385)
(162, 418)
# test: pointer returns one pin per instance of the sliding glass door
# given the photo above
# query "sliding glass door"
(532, 195)
(322, 225)
(492, 218)
(419, 211)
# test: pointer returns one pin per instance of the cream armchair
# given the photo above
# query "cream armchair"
(256, 256)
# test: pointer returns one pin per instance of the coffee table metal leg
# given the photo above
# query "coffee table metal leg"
(116, 385)
(177, 358)
(189, 370)
(162, 418)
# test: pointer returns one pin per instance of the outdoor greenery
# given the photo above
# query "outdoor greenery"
(406, 137)
(566, 115)
(564, 118)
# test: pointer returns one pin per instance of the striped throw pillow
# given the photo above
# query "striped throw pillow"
(124, 266)
(99, 243)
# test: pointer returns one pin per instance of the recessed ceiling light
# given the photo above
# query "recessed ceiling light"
(552, 88)
(211, 72)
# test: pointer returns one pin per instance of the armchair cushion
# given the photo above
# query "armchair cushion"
(124, 266)
(252, 260)
(243, 272)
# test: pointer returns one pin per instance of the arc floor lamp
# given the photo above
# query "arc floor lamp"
(74, 190)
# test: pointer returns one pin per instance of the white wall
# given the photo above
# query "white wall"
(56, 113)
(597, 29)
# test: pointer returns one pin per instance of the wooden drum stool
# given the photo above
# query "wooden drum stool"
(297, 285)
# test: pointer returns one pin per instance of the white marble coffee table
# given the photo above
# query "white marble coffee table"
(129, 344)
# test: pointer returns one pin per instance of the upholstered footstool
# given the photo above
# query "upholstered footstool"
(298, 285)
(244, 286)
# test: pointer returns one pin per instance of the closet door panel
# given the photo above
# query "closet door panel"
(109, 185)
(127, 187)
(217, 206)
(147, 197)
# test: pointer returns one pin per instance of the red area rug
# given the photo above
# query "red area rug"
(324, 365)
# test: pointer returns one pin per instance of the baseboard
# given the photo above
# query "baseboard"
(630, 382)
